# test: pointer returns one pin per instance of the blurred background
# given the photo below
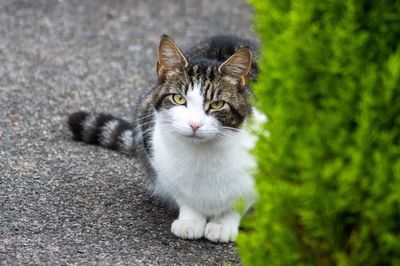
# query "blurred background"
(328, 174)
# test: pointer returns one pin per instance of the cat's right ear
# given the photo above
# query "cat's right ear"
(236, 68)
(170, 59)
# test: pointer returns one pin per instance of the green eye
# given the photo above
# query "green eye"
(178, 99)
(217, 105)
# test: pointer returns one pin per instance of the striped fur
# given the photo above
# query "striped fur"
(103, 129)
(195, 154)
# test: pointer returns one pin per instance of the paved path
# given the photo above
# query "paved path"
(63, 202)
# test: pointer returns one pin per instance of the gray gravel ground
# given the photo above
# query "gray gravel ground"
(63, 202)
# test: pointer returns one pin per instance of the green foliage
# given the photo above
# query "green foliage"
(329, 173)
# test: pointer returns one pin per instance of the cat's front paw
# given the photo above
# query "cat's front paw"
(222, 233)
(188, 229)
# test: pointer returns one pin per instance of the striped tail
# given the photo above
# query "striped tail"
(102, 129)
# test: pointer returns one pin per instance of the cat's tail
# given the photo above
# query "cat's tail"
(102, 129)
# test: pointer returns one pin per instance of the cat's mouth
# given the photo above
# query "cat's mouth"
(194, 136)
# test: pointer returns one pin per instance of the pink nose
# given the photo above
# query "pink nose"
(195, 126)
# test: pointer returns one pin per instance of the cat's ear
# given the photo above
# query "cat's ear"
(236, 68)
(170, 59)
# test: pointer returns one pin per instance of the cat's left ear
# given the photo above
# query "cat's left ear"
(236, 68)
(170, 59)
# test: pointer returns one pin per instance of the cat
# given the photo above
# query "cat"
(190, 134)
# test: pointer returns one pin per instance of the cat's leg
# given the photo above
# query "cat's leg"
(190, 224)
(223, 228)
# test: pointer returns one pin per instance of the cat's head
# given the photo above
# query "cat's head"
(201, 100)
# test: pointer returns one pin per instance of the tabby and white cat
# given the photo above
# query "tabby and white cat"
(190, 134)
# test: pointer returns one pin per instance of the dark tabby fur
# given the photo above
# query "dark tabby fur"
(200, 63)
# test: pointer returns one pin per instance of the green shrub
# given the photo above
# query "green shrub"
(329, 173)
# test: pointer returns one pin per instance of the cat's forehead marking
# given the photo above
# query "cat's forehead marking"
(207, 89)
(194, 95)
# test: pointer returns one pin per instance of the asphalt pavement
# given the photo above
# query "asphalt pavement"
(67, 203)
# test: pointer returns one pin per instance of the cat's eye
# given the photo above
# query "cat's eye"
(178, 99)
(217, 105)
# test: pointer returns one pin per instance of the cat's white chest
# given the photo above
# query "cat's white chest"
(207, 176)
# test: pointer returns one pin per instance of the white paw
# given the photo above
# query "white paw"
(221, 232)
(188, 229)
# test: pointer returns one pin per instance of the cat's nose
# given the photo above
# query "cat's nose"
(195, 126)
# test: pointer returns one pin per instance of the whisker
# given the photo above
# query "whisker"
(143, 118)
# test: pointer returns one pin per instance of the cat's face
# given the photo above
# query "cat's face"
(201, 101)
